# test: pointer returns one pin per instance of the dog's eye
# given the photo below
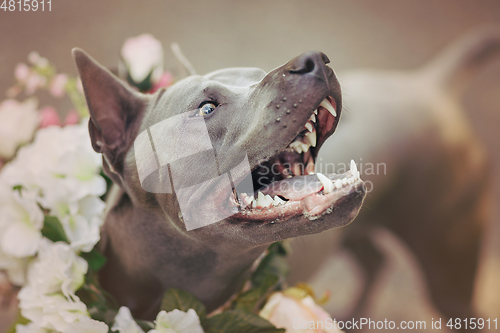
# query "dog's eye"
(206, 109)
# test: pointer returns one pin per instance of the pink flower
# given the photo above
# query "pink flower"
(297, 315)
(22, 72)
(143, 56)
(58, 85)
(49, 117)
(35, 59)
(33, 82)
(165, 81)
(72, 118)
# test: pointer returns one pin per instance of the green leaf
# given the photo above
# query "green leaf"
(251, 300)
(237, 321)
(273, 263)
(183, 300)
(53, 230)
(268, 277)
(95, 259)
(143, 86)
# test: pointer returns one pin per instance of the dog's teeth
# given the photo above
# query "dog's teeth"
(250, 200)
(278, 201)
(260, 199)
(338, 183)
(309, 126)
(310, 139)
(350, 180)
(268, 201)
(358, 175)
(297, 146)
(327, 105)
(354, 168)
(264, 200)
(327, 184)
(344, 181)
(316, 112)
(254, 203)
(313, 118)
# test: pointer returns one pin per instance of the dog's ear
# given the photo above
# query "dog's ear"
(115, 109)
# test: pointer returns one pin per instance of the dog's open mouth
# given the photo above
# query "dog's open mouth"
(286, 184)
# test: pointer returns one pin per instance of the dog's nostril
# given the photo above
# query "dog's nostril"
(307, 66)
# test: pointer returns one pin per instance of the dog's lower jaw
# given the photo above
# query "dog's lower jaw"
(137, 277)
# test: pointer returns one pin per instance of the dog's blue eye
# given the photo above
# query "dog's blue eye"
(206, 109)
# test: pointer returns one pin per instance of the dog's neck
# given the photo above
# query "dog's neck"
(212, 272)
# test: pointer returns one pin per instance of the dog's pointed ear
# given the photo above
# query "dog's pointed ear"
(115, 110)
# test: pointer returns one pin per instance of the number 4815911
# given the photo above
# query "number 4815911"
(26, 5)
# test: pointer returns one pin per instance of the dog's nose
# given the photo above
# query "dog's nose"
(309, 62)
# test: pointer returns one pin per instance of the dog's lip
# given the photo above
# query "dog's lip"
(311, 206)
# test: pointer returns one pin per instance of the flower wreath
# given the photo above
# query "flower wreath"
(51, 210)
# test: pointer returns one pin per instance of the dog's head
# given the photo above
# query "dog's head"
(235, 148)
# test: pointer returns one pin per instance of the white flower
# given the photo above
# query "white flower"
(50, 311)
(20, 222)
(57, 269)
(61, 163)
(87, 325)
(297, 315)
(61, 167)
(18, 122)
(30, 328)
(124, 323)
(83, 227)
(15, 268)
(74, 172)
(177, 321)
(143, 55)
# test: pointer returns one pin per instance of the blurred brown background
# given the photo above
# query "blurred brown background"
(388, 34)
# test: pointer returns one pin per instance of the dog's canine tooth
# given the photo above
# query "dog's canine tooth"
(327, 184)
(327, 105)
(338, 183)
(310, 138)
(358, 175)
(313, 118)
(354, 168)
(316, 112)
(309, 126)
